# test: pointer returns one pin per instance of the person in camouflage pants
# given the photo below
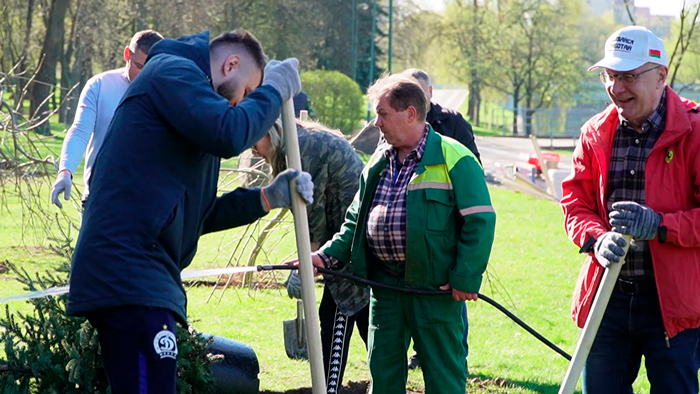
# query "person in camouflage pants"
(335, 169)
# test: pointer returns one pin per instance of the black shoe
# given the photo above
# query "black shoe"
(414, 362)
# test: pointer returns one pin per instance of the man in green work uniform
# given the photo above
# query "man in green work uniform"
(422, 219)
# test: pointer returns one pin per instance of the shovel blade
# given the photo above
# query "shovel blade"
(294, 340)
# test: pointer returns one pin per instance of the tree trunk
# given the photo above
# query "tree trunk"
(474, 101)
(141, 17)
(516, 100)
(21, 83)
(475, 89)
(85, 67)
(70, 73)
(529, 113)
(51, 52)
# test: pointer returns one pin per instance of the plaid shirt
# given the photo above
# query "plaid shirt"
(386, 224)
(626, 179)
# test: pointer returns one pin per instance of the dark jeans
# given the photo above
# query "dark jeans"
(336, 331)
(139, 349)
(632, 328)
(464, 337)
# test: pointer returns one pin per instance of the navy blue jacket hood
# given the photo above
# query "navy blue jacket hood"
(154, 182)
(194, 47)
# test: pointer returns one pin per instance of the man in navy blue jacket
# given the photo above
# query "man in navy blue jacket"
(154, 192)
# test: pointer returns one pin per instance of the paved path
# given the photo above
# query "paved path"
(514, 150)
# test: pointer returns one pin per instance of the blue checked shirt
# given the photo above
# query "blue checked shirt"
(630, 151)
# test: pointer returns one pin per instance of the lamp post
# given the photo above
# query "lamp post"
(371, 53)
(353, 42)
(374, 33)
(391, 28)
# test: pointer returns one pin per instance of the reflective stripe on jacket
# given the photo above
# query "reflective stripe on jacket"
(450, 219)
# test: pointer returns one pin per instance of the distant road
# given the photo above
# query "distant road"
(450, 98)
(505, 151)
(502, 150)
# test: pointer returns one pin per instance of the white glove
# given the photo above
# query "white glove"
(63, 184)
(284, 77)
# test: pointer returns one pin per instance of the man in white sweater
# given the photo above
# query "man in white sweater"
(96, 106)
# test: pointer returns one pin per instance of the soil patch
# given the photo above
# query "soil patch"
(32, 249)
(476, 384)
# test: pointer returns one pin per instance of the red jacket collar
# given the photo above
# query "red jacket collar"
(602, 127)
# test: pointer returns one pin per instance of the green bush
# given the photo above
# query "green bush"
(336, 98)
(47, 351)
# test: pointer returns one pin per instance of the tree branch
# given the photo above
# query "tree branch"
(629, 13)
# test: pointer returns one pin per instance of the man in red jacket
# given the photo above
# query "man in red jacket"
(637, 172)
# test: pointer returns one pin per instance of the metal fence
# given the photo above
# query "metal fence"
(544, 122)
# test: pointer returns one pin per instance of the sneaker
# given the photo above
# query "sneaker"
(414, 362)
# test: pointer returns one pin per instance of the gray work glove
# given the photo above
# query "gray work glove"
(634, 219)
(294, 285)
(63, 184)
(609, 248)
(283, 76)
(278, 194)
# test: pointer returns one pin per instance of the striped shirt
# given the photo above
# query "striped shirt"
(386, 223)
(626, 179)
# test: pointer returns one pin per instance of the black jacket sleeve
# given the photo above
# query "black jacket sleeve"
(464, 134)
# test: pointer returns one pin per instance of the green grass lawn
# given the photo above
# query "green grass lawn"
(485, 132)
(532, 272)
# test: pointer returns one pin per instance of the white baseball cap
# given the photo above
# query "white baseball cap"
(631, 47)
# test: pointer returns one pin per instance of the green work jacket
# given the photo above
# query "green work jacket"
(450, 221)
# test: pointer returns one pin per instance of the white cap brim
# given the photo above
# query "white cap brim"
(618, 64)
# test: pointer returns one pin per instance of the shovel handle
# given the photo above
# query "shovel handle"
(590, 329)
(301, 228)
(300, 324)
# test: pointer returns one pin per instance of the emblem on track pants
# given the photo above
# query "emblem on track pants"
(340, 329)
(165, 344)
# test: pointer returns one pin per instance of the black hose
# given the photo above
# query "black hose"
(427, 292)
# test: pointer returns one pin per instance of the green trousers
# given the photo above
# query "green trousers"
(436, 326)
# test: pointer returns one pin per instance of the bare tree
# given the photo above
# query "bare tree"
(689, 23)
(471, 28)
(629, 12)
(25, 176)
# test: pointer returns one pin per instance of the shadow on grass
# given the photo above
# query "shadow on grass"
(485, 383)
(475, 384)
(350, 388)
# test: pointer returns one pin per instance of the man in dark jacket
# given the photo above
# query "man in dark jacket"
(302, 103)
(154, 192)
(445, 121)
